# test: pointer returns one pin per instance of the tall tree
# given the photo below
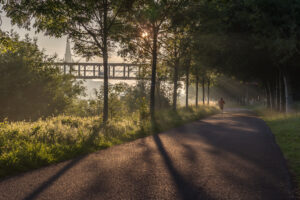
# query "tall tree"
(172, 53)
(252, 41)
(150, 21)
(187, 78)
(93, 25)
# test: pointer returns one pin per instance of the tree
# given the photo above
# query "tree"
(210, 79)
(30, 87)
(150, 20)
(187, 65)
(93, 25)
(251, 40)
(172, 53)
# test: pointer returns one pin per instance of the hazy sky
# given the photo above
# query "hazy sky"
(51, 45)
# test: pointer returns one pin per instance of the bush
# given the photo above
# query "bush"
(29, 86)
(29, 145)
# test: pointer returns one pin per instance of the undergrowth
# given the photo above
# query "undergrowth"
(30, 145)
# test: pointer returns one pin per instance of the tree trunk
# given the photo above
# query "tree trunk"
(105, 65)
(280, 92)
(153, 75)
(270, 96)
(267, 96)
(276, 95)
(203, 91)
(208, 87)
(287, 92)
(158, 96)
(197, 84)
(175, 85)
(187, 85)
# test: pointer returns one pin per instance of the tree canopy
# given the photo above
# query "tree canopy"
(29, 86)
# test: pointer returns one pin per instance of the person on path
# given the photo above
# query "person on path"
(221, 104)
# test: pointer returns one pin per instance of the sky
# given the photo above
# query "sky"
(51, 45)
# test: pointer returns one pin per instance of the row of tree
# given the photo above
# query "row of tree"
(257, 41)
(253, 40)
(141, 28)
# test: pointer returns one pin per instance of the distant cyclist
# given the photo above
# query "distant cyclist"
(221, 103)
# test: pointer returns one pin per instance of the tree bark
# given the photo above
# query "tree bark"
(267, 96)
(197, 84)
(287, 92)
(175, 85)
(276, 95)
(203, 91)
(105, 64)
(270, 96)
(158, 96)
(153, 75)
(187, 84)
(280, 92)
(208, 87)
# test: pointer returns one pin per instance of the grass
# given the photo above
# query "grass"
(30, 145)
(286, 128)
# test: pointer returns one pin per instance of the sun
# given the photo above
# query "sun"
(145, 34)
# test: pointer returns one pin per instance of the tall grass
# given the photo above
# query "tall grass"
(286, 128)
(30, 145)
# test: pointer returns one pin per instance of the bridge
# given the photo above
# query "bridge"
(118, 71)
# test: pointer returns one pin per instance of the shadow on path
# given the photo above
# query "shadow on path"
(34, 194)
(186, 190)
(50, 181)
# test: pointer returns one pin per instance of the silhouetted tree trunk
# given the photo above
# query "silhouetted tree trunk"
(267, 97)
(197, 84)
(287, 92)
(153, 75)
(105, 64)
(270, 95)
(203, 91)
(187, 84)
(280, 92)
(158, 96)
(175, 83)
(208, 87)
(276, 95)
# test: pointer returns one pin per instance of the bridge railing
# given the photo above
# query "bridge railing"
(126, 71)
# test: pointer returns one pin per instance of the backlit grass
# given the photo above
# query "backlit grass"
(286, 128)
(30, 145)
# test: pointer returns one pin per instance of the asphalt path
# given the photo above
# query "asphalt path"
(230, 156)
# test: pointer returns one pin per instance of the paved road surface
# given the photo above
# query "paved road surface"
(230, 157)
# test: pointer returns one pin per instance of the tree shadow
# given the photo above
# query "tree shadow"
(46, 184)
(252, 144)
(186, 189)
(34, 194)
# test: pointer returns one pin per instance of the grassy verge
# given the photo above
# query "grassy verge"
(286, 129)
(29, 145)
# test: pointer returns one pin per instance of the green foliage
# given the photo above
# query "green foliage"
(29, 86)
(116, 107)
(252, 40)
(94, 26)
(123, 98)
(83, 108)
(29, 145)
